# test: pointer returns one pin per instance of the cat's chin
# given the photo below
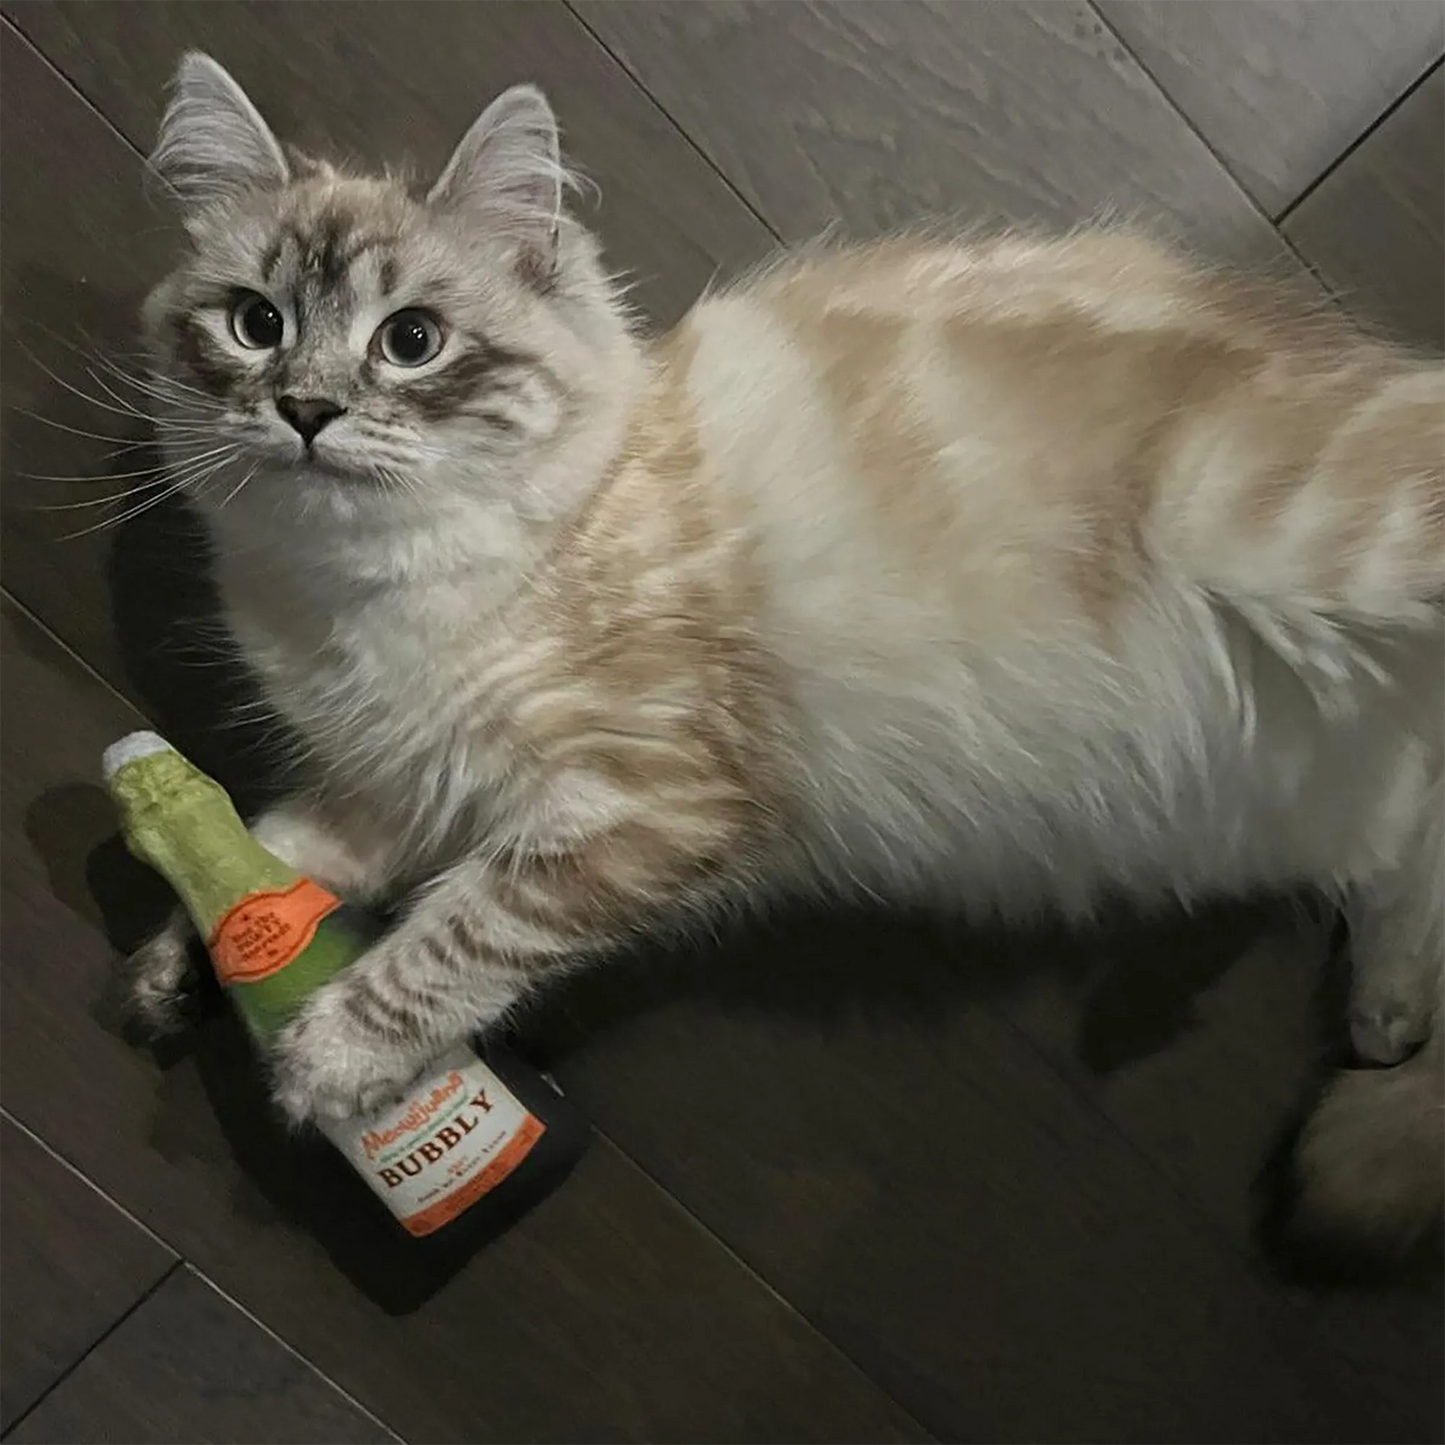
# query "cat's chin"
(324, 469)
(328, 470)
(309, 485)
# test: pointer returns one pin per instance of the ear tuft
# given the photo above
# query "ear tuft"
(508, 172)
(213, 143)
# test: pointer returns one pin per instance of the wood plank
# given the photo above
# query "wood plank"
(1281, 88)
(841, 1101)
(73, 267)
(1196, 1032)
(73, 1265)
(879, 115)
(377, 82)
(188, 1365)
(1199, 1036)
(607, 1313)
(1375, 226)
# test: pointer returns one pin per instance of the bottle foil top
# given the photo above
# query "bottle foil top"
(128, 749)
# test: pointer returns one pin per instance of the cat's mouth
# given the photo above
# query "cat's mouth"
(321, 458)
(328, 466)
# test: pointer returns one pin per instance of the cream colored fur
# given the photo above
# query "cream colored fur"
(1005, 575)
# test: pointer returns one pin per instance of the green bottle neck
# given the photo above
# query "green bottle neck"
(184, 825)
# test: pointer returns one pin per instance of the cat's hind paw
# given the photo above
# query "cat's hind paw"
(1384, 1029)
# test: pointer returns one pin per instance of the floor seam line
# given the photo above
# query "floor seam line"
(143, 1298)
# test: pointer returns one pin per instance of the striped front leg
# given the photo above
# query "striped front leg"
(487, 932)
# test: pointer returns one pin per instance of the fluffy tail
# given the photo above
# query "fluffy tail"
(1370, 1165)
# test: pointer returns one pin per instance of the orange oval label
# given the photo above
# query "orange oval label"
(262, 933)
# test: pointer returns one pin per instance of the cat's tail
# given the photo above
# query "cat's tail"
(1370, 1164)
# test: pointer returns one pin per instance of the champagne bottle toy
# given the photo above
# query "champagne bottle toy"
(464, 1147)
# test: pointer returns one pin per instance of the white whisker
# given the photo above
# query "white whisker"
(131, 412)
(161, 388)
(124, 516)
(163, 467)
(126, 442)
(91, 353)
(111, 500)
(106, 389)
(239, 487)
(190, 475)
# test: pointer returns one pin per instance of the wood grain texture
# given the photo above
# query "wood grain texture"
(1281, 88)
(1200, 1037)
(1018, 1215)
(607, 1313)
(842, 1103)
(1375, 226)
(401, 83)
(1197, 1034)
(876, 114)
(73, 1265)
(78, 246)
(188, 1365)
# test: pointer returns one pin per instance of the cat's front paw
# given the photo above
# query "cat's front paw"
(328, 1065)
(157, 988)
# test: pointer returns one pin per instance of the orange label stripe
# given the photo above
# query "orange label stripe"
(264, 931)
(425, 1221)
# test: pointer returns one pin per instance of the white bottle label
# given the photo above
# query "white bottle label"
(456, 1135)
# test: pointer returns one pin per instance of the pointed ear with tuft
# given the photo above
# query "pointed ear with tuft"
(213, 143)
(507, 172)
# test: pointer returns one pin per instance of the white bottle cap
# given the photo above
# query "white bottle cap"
(128, 749)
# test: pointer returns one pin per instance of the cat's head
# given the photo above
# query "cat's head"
(350, 344)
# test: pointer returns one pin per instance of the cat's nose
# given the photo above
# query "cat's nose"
(308, 414)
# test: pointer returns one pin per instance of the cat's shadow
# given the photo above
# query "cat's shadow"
(78, 440)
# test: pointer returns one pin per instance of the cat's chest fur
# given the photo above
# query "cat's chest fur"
(397, 693)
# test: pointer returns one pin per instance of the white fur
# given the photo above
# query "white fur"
(961, 733)
(975, 750)
(213, 141)
(999, 758)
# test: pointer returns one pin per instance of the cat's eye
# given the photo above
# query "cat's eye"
(255, 322)
(410, 338)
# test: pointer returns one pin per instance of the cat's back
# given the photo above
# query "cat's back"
(1041, 425)
(976, 416)
(1011, 498)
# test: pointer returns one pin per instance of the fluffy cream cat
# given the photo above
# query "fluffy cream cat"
(1006, 575)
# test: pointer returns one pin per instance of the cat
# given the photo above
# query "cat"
(1005, 574)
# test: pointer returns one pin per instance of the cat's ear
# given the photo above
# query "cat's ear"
(508, 172)
(213, 142)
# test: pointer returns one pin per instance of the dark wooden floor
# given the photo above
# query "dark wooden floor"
(853, 1179)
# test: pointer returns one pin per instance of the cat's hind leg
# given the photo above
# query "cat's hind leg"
(1397, 943)
(1370, 1163)
(1394, 1000)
